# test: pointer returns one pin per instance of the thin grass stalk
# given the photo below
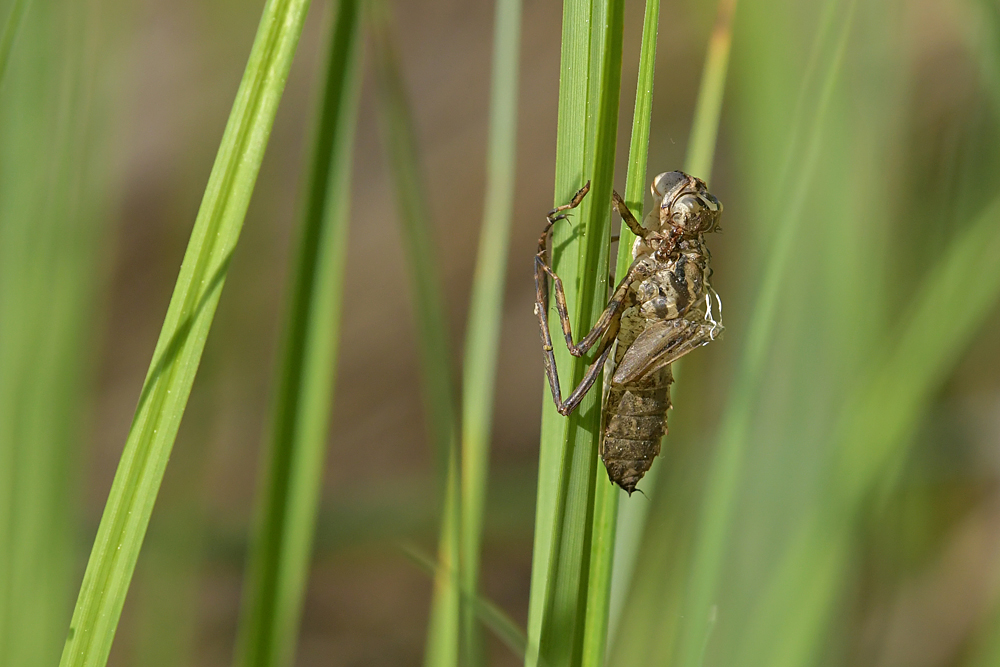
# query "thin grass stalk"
(485, 610)
(182, 338)
(986, 645)
(11, 27)
(602, 552)
(292, 462)
(486, 306)
(606, 507)
(626, 542)
(982, 39)
(442, 648)
(700, 158)
(705, 128)
(444, 637)
(403, 160)
(53, 196)
(723, 480)
(589, 89)
(799, 117)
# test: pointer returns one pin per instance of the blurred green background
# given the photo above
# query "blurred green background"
(859, 143)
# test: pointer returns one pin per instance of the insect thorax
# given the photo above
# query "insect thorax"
(676, 287)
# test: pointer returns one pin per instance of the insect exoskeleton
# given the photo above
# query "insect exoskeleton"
(662, 309)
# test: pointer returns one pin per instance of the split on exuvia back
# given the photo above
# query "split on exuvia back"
(662, 309)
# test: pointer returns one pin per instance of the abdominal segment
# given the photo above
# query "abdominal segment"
(636, 419)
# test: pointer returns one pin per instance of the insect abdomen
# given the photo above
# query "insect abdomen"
(636, 420)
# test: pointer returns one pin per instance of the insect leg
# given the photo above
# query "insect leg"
(605, 331)
(543, 271)
(627, 216)
(619, 300)
(555, 215)
(590, 377)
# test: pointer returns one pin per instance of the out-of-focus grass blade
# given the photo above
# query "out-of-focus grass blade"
(492, 616)
(443, 647)
(878, 421)
(986, 651)
(182, 339)
(983, 40)
(401, 151)
(883, 414)
(482, 337)
(799, 116)
(983, 33)
(589, 86)
(55, 179)
(701, 154)
(723, 480)
(705, 129)
(292, 465)
(10, 29)
(438, 391)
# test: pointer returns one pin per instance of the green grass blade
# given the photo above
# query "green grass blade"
(292, 466)
(492, 616)
(182, 339)
(10, 29)
(705, 129)
(401, 151)
(878, 423)
(442, 647)
(570, 137)
(638, 152)
(799, 116)
(986, 646)
(55, 185)
(605, 544)
(982, 34)
(486, 303)
(700, 157)
(982, 40)
(602, 554)
(884, 413)
(723, 481)
(589, 87)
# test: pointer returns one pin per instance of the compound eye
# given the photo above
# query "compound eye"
(686, 212)
(666, 181)
(711, 203)
(712, 213)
